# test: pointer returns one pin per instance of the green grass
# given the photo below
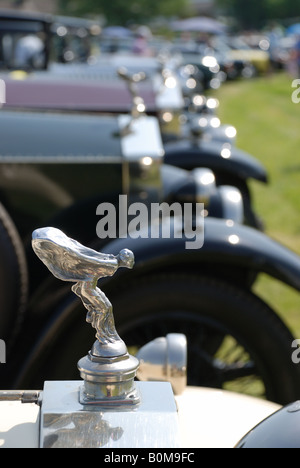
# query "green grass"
(268, 125)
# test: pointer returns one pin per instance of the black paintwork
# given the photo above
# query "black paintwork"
(51, 163)
(226, 248)
(280, 430)
(188, 155)
(40, 136)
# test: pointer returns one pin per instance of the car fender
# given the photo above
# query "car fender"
(219, 157)
(223, 249)
(227, 248)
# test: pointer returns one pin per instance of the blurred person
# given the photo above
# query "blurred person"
(275, 35)
(29, 52)
(293, 66)
(297, 55)
(141, 45)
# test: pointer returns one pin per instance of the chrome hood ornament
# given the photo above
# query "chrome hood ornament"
(138, 106)
(108, 370)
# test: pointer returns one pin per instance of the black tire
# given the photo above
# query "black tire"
(235, 341)
(13, 279)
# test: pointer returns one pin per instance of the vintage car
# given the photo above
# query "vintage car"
(259, 58)
(97, 89)
(108, 408)
(70, 40)
(63, 169)
(31, 40)
(191, 139)
(57, 169)
(213, 63)
(162, 92)
(131, 402)
(20, 32)
(73, 39)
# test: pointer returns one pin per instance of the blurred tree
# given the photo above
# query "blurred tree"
(256, 13)
(282, 9)
(249, 13)
(120, 12)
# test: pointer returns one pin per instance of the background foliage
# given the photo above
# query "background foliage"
(257, 13)
(123, 12)
(247, 13)
(267, 122)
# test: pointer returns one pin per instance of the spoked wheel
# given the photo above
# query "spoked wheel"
(235, 341)
(13, 279)
(215, 358)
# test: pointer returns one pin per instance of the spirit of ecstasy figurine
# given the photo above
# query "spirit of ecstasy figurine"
(108, 370)
(68, 260)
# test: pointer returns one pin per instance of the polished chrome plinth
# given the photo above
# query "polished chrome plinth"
(67, 423)
(108, 381)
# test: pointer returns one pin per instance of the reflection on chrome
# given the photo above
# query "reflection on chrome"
(209, 61)
(167, 116)
(215, 83)
(199, 100)
(234, 196)
(229, 222)
(215, 122)
(203, 122)
(191, 83)
(147, 161)
(141, 107)
(226, 151)
(234, 239)
(205, 177)
(231, 132)
(212, 103)
(79, 429)
(170, 82)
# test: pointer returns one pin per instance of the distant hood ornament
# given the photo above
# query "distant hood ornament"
(108, 370)
(138, 106)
